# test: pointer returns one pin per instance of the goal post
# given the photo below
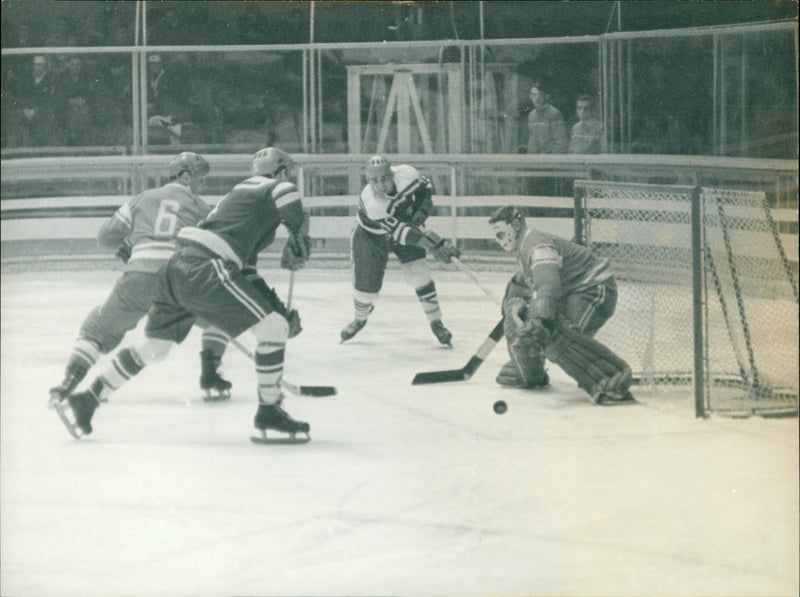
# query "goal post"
(707, 296)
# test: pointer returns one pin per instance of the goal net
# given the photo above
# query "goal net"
(723, 309)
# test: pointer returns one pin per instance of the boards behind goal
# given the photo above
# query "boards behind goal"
(707, 296)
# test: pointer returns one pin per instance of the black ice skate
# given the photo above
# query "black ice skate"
(82, 406)
(273, 417)
(442, 334)
(352, 328)
(215, 387)
(73, 376)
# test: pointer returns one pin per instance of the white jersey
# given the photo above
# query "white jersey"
(380, 214)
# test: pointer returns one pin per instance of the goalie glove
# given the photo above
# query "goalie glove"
(124, 251)
(297, 248)
(442, 249)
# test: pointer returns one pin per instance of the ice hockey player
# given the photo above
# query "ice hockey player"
(560, 295)
(391, 215)
(142, 232)
(206, 279)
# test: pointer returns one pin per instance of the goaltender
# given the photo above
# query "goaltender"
(560, 295)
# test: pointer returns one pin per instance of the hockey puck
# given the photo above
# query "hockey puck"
(500, 407)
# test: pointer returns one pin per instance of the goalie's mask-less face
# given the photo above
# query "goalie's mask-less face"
(507, 234)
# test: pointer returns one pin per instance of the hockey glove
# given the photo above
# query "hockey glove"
(297, 248)
(442, 249)
(293, 317)
(124, 251)
(418, 218)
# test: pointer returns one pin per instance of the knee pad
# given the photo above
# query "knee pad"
(273, 328)
(416, 273)
(153, 349)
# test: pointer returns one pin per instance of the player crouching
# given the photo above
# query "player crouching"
(560, 295)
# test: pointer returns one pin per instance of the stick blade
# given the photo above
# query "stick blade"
(317, 391)
(429, 377)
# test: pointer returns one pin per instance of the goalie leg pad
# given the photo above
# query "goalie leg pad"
(602, 374)
(526, 349)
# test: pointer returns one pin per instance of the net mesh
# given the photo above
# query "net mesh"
(749, 296)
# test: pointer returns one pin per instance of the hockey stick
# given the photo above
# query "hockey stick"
(316, 391)
(474, 278)
(467, 371)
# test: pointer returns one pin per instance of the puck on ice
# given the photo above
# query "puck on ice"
(500, 407)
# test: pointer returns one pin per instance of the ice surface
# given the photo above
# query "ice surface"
(403, 490)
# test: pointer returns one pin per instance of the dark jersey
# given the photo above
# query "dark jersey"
(244, 222)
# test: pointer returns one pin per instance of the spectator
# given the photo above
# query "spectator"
(112, 101)
(587, 133)
(74, 91)
(164, 124)
(546, 128)
(35, 101)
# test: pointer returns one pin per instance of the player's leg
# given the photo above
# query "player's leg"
(214, 386)
(167, 323)
(104, 327)
(587, 311)
(417, 275)
(225, 298)
(368, 256)
(602, 374)
(525, 346)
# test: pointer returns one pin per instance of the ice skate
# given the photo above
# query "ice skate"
(72, 378)
(82, 406)
(510, 377)
(614, 390)
(352, 328)
(215, 388)
(273, 417)
(442, 334)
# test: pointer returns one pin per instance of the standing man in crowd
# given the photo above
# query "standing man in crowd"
(587, 133)
(392, 210)
(560, 295)
(142, 232)
(547, 132)
(206, 279)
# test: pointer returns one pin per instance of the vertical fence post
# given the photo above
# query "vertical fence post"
(453, 207)
(697, 303)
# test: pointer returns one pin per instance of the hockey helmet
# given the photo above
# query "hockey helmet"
(269, 161)
(190, 162)
(377, 166)
(508, 224)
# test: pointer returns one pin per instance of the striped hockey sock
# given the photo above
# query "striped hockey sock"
(269, 370)
(429, 301)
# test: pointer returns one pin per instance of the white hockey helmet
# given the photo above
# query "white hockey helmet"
(188, 161)
(377, 166)
(269, 162)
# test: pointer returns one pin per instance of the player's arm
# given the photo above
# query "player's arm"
(406, 234)
(423, 203)
(546, 268)
(115, 231)
(298, 245)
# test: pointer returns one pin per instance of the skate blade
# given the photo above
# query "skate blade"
(71, 426)
(211, 396)
(287, 439)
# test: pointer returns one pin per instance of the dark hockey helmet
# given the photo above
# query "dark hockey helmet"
(190, 162)
(377, 166)
(269, 162)
(508, 213)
